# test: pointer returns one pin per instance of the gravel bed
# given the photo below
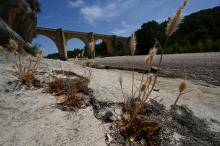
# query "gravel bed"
(195, 66)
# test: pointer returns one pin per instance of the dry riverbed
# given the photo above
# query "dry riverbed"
(30, 117)
(194, 66)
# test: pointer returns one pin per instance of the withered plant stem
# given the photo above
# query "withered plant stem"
(132, 76)
(174, 104)
(158, 67)
(144, 98)
(123, 94)
(161, 50)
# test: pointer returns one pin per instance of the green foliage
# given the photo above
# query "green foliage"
(53, 56)
(70, 54)
(200, 46)
(146, 36)
(119, 49)
(200, 32)
(101, 49)
(74, 53)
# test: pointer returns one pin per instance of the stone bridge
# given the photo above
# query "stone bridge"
(61, 37)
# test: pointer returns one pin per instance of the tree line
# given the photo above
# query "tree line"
(200, 32)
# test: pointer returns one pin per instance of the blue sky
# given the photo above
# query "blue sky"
(119, 17)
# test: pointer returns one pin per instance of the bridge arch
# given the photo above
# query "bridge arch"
(47, 43)
(100, 48)
(49, 35)
(57, 35)
(73, 44)
(108, 41)
(83, 39)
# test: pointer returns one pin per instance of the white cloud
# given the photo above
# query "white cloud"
(124, 24)
(110, 10)
(125, 30)
(119, 31)
(106, 9)
(96, 13)
(76, 3)
(91, 13)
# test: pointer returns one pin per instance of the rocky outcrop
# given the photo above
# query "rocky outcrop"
(6, 32)
(20, 16)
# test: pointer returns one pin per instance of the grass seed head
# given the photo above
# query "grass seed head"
(146, 60)
(182, 86)
(175, 20)
(13, 45)
(152, 54)
(133, 44)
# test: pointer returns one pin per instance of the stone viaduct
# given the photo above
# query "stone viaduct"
(61, 37)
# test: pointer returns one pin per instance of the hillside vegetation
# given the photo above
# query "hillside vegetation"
(200, 32)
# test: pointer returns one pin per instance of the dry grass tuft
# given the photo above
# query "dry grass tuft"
(24, 71)
(68, 89)
(135, 125)
(66, 86)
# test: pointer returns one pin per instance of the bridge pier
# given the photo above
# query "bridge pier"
(61, 44)
(110, 50)
(90, 45)
(89, 53)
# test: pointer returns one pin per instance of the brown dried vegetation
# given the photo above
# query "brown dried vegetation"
(24, 70)
(67, 89)
(133, 124)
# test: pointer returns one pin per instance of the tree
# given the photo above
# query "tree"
(208, 45)
(146, 36)
(199, 46)
(101, 49)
